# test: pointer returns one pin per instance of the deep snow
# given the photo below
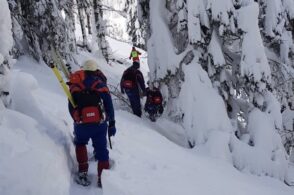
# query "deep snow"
(37, 154)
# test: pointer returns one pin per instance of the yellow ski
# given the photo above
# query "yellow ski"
(63, 84)
(58, 59)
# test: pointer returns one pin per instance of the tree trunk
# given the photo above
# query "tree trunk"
(82, 22)
(89, 23)
(103, 44)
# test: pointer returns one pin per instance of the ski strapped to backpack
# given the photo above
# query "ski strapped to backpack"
(63, 84)
(60, 63)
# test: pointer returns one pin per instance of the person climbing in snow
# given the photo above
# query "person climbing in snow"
(135, 55)
(132, 83)
(153, 105)
(93, 116)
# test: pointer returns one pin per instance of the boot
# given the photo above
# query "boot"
(82, 179)
(82, 158)
(99, 183)
(101, 165)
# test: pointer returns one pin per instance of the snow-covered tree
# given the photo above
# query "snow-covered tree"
(218, 84)
(41, 26)
(6, 44)
(69, 10)
(276, 19)
(81, 14)
(84, 8)
(143, 9)
(133, 26)
(101, 30)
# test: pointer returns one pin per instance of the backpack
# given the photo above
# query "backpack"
(129, 79)
(134, 54)
(86, 96)
(101, 76)
(154, 97)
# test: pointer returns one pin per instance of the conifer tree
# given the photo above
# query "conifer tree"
(6, 44)
(100, 29)
(134, 27)
(43, 27)
(227, 42)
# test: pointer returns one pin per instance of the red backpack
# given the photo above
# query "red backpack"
(156, 100)
(154, 96)
(89, 104)
(129, 79)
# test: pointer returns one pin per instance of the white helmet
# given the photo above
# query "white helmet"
(90, 65)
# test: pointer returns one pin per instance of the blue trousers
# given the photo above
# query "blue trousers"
(97, 133)
(135, 101)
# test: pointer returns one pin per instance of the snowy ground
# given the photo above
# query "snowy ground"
(37, 155)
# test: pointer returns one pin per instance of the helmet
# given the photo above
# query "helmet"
(90, 65)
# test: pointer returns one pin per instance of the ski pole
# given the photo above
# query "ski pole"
(62, 83)
(109, 140)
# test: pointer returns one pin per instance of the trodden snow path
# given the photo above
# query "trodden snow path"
(76, 189)
(146, 162)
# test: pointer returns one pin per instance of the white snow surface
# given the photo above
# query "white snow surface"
(37, 153)
(267, 155)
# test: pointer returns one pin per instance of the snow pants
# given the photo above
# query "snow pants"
(97, 133)
(135, 101)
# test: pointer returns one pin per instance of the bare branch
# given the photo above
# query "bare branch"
(111, 9)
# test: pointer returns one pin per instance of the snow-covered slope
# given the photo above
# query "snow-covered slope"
(37, 154)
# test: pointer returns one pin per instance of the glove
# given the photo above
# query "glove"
(76, 115)
(111, 128)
